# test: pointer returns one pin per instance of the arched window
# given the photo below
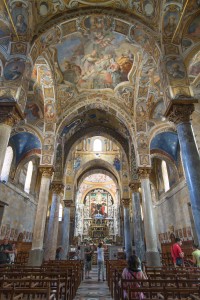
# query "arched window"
(7, 164)
(60, 212)
(29, 173)
(97, 145)
(165, 175)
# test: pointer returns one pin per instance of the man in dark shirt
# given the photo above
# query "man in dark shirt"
(5, 249)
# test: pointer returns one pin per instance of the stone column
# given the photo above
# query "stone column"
(9, 116)
(137, 221)
(66, 227)
(52, 233)
(127, 235)
(152, 254)
(36, 253)
(180, 115)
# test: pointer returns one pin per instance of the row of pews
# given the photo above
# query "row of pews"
(54, 280)
(162, 283)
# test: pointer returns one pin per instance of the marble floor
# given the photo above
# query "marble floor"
(92, 289)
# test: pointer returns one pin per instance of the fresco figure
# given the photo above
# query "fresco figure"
(13, 70)
(117, 164)
(175, 70)
(20, 24)
(77, 163)
(32, 112)
(194, 28)
(49, 111)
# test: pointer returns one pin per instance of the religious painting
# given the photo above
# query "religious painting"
(77, 163)
(46, 159)
(20, 18)
(148, 7)
(144, 160)
(18, 48)
(194, 69)
(51, 37)
(158, 111)
(194, 28)
(142, 142)
(176, 69)
(117, 163)
(43, 9)
(14, 70)
(127, 95)
(95, 57)
(49, 110)
(98, 202)
(32, 112)
(170, 21)
(138, 36)
(48, 92)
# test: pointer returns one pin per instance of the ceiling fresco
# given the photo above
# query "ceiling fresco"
(98, 64)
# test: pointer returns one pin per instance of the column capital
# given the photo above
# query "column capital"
(57, 187)
(144, 173)
(126, 202)
(68, 203)
(134, 186)
(179, 113)
(47, 171)
(10, 113)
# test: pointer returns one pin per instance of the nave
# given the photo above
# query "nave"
(92, 289)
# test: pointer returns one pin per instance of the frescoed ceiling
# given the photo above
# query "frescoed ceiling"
(98, 60)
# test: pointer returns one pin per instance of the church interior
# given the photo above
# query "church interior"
(99, 127)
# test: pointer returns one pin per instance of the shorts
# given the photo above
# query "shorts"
(88, 265)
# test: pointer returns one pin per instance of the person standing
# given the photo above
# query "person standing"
(177, 253)
(6, 250)
(196, 255)
(100, 261)
(88, 261)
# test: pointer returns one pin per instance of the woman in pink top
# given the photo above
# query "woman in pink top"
(133, 272)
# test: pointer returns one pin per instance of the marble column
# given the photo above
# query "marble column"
(9, 116)
(137, 221)
(127, 234)
(52, 232)
(36, 253)
(66, 227)
(152, 254)
(180, 115)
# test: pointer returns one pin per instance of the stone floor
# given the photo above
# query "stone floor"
(92, 289)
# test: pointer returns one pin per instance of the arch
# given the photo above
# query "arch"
(96, 171)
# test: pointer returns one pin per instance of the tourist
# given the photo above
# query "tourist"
(88, 260)
(59, 252)
(196, 255)
(177, 253)
(100, 261)
(133, 271)
(6, 250)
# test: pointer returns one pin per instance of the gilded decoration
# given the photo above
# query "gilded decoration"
(144, 173)
(68, 203)
(180, 113)
(46, 171)
(126, 202)
(10, 114)
(57, 187)
(134, 186)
